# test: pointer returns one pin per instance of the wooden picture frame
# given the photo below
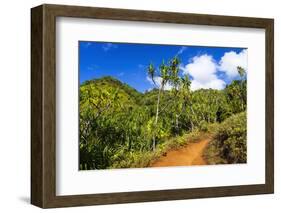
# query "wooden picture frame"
(43, 105)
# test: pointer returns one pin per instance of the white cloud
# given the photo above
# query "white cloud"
(202, 68)
(158, 81)
(181, 50)
(213, 84)
(203, 71)
(231, 60)
(108, 46)
(149, 80)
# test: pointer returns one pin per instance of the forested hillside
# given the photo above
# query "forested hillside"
(121, 127)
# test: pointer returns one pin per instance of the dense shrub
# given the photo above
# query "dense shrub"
(230, 141)
(203, 126)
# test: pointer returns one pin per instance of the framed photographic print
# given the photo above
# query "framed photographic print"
(136, 106)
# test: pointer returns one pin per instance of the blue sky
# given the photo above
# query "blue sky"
(207, 67)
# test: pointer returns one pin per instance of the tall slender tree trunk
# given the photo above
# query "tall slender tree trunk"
(157, 106)
(192, 123)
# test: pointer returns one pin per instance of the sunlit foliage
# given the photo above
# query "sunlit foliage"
(121, 127)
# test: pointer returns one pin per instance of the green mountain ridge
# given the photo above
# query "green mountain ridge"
(109, 81)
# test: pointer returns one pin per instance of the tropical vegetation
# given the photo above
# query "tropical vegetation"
(120, 127)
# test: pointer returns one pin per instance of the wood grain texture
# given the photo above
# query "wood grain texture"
(43, 105)
(36, 106)
(269, 106)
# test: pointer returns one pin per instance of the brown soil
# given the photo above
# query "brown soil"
(190, 154)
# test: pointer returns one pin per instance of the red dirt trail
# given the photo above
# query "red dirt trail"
(190, 154)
